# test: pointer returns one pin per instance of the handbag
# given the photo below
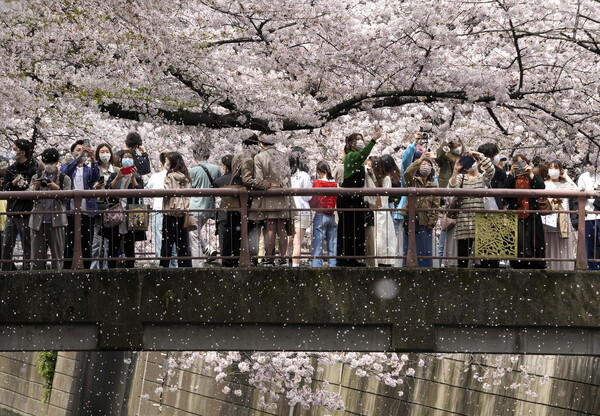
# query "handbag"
(114, 217)
(455, 203)
(544, 204)
(446, 223)
(190, 223)
(138, 217)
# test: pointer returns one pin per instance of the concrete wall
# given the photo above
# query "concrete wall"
(442, 388)
(21, 386)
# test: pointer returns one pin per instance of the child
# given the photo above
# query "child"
(324, 225)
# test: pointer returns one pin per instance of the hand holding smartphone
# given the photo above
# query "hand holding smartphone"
(466, 162)
(127, 170)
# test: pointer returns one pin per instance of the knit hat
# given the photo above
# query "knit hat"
(50, 155)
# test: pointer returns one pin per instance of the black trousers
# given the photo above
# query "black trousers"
(114, 248)
(463, 249)
(229, 232)
(351, 231)
(174, 233)
(87, 238)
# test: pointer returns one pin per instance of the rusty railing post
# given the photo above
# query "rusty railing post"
(581, 262)
(411, 253)
(77, 261)
(244, 244)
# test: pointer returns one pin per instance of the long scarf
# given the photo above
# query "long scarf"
(522, 182)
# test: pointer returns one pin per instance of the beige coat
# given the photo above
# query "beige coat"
(177, 206)
(271, 165)
(426, 218)
(37, 213)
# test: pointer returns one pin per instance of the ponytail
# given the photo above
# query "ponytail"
(323, 167)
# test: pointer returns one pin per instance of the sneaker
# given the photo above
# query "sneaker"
(267, 263)
(210, 253)
(282, 262)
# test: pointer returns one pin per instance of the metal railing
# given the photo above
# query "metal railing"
(244, 196)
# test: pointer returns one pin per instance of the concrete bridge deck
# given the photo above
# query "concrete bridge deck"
(338, 309)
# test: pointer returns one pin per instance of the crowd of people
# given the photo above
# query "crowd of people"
(359, 230)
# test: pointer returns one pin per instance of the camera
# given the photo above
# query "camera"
(425, 135)
(44, 182)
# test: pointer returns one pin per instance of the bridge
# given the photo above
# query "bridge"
(335, 309)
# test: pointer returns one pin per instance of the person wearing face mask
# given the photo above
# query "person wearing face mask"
(104, 156)
(84, 173)
(17, 178)
(531, 242)
(465, 223)
(589, 181)
(120, 234)
(421, 174)
(559, 234)
(445, 157)
(351, 224)
(48, 230)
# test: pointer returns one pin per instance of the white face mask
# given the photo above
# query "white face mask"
(554, 173)
(167, 165)
(425, 170)
(457, 150)
(359, 145)
(104, 157)
(76, 155)
(473, 167)
(496, 159)
(50, 168)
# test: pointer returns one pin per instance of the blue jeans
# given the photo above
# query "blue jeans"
(592, 240)
(424, 239)
(324, 229)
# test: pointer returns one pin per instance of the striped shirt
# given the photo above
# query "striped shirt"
(465, 225)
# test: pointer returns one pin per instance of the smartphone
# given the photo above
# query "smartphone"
(520, 168)
(126, 171)
(86, 142)
(466, 162)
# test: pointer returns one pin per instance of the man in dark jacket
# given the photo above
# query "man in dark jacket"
(17, 178)
(133, 141)
(84, 173)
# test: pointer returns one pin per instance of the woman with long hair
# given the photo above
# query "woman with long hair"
(559, 235)
(299, 179)
(531, 241)
(351, 225)
(176, 208)
(421, 174)
(381, 236)
(472, 179)
(106, 164)
(324, 225)
(120, 234)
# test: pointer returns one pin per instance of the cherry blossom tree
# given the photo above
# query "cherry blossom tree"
(520, 72)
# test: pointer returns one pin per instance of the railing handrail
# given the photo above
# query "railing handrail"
(206, 192)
